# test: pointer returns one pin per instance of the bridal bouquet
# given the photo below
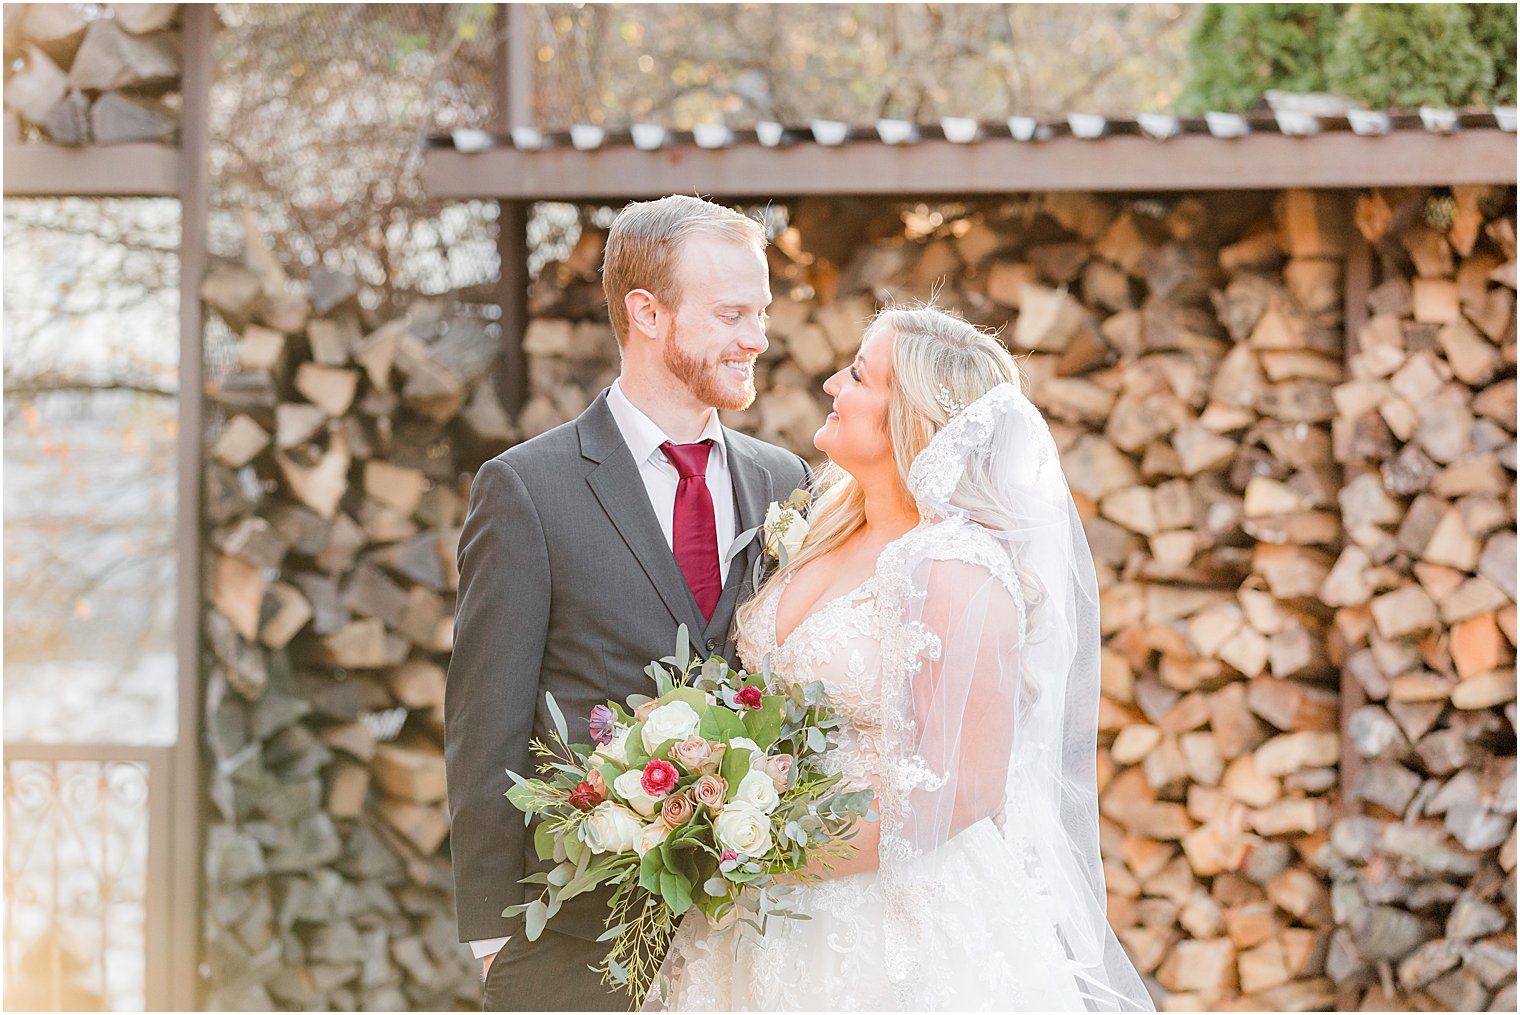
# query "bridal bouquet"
(693, 798)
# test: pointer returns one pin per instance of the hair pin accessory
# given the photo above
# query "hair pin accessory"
(952, 406)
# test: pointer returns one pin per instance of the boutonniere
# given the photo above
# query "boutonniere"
(781, 534)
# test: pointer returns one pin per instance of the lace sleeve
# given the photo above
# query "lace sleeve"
(949, 716)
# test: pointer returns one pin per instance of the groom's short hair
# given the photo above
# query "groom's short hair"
(645, 241)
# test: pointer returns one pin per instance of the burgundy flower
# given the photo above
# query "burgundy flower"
(749, 696)
(603, 722)
(659, 778)
(584, 797)
(729, 854)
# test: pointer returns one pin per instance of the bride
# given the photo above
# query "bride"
(946, 597)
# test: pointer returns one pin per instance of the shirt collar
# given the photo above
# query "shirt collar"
(644, 436)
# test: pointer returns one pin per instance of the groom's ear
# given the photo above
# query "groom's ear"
(643, 312)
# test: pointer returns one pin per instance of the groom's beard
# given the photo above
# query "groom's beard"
(706, 381)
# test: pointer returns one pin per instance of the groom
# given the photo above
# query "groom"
(582, 551)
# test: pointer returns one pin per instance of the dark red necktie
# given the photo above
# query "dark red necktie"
(695, 530)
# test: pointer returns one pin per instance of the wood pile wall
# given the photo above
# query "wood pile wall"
(1422, 865)
(105, 77)
(335, 491)
(1274, 512)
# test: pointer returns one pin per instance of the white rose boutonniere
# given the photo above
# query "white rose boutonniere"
(781, 535)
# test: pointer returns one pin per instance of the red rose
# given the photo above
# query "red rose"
(749, 696)
(584, 797)
(659, 778)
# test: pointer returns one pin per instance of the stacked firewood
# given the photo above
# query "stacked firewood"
(1423, 862)
(107, 76)
(335, 491)
(1276, 511)
(1190, 357)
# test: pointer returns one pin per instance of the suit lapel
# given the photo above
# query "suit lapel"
(620, 490)
(752, 494)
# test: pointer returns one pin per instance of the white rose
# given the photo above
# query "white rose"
(785, 526)
(675, 721)
(630, 787)
(758, 790)
(616, 749)
(650, 836)
(743, 828)
(746, 744)
(616, 828)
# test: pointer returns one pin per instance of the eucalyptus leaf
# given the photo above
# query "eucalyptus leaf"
(740, 542)
(537, 916)
(558, 717)
(683, 648)
(612, 932)
(543, 841)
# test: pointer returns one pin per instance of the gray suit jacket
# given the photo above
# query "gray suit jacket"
(566, 585)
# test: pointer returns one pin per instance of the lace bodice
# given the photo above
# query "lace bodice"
(859, 643)
(846, 643)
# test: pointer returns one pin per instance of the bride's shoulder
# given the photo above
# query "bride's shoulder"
(949, 539)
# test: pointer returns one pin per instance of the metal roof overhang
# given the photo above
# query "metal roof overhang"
(37, 169)
(991, 166)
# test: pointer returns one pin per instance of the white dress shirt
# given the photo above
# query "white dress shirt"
(644, 437)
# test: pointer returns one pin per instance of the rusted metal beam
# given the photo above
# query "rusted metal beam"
(514, 106)
(991, 166)
(193, 184)
(39, 169)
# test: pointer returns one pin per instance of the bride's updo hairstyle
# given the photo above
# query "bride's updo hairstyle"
(937, 357)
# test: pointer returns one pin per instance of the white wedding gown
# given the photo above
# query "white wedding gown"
(982, 931)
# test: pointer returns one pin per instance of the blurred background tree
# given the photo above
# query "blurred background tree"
(1386, 56)
(1238, 51)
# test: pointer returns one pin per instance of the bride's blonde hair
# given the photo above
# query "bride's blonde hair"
(936, 356)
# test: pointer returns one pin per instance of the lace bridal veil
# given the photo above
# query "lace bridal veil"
(997, 716)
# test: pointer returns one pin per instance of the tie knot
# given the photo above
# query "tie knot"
(690, 460)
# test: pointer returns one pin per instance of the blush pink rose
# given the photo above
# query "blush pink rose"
(692, 753)
(710, 791)
(677, 810)
(779, 768)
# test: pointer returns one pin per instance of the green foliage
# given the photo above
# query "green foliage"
(1494, 28)
(1238, 51)
(1383, 55)
(1407, 55)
